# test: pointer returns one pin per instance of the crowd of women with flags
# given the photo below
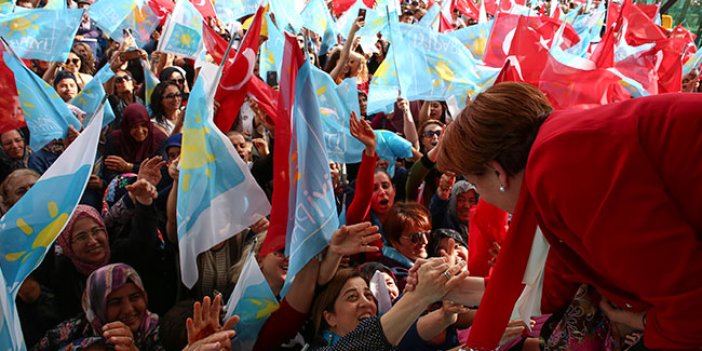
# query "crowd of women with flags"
(349, 175)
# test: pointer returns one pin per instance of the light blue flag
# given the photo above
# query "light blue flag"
(253, 301)
(474, 38)
(182, 34)
(313, 216)
(150, 83)
(217, 196)
(431, 18)
(55, 5)
(572, 14)
(346, 20)
(91, 96)
(287, 13)
(11, 337)
(271, 57)
(588, 28)
(229, 11)
(46, 114)
(6, 6)
(316, 17)
(114, 16)
(693, 62)
(33, 223)
(41, 34)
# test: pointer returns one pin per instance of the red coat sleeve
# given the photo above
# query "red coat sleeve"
(282, 326)
(616, 195)
(360, 205)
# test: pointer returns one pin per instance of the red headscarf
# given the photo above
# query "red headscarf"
(64, 240)
(130, 149)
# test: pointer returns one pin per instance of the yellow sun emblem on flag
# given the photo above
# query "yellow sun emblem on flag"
(45, 237)
(22, 24)
(195, 154)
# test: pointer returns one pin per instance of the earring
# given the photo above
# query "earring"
(502, 188)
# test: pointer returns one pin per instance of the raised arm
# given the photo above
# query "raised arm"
(346, 50)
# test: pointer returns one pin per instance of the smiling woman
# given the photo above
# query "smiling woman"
(115, 312)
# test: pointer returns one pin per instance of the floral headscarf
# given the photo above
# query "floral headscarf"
(100, 285)
(64, 240)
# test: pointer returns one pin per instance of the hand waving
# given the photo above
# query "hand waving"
(206, 320)
(362, 131)
(354, 239)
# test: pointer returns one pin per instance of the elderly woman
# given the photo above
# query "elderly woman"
(15, 186)
(136, 140)
(115, 307)
(614, 190)
(345, 317)
(14, 154)
(451, 205)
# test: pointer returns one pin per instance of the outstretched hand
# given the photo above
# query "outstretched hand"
(361, 130)
(150, 169)
(143, 192)
(206, 320)
(354, 239)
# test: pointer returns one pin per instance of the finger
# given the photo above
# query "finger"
(113, 325)
(197, 314)
(189, 326)
(230, 323)
(120, 340)
(369, 248)
(216, 308)
(456, 280)
(206, 307)
(373, 237)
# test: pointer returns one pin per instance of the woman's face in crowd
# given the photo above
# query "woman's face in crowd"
(464, 202)
(173, 152)
(139, 132)
(13, 144)
(435, 110)
(82, 49)
(392, 287)
(19, 186)
(171, 98)
(363, 103)
(354, 64)
(431, 135)
(177, 78)
(67, 89)
(127, 305)
(383, 194)
(354, 304)
(274, 267)
(413, 241)
(73, 63)
(123, 83)
(241, 146)
(89, 241)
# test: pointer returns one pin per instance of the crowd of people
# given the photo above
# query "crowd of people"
(432, 230)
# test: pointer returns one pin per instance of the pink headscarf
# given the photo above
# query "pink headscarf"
(64, 240)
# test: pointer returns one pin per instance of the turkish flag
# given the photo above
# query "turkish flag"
(162, 8)
(293, 60)
(340, 6)
(466, 7)
(11, 115)
(488, 225)
(603, 57)
(266, 97)
(216, 45)
(205, 8)
(237, 72)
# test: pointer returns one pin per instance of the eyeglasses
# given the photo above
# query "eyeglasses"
(180, 81)
(74, 61)
(173, 96)
(122, 79)
(82, 237)
(432, 133)
(417, 237)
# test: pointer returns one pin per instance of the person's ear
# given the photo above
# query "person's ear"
(500, 173)
(330, 319)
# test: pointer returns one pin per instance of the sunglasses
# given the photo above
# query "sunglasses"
(432, 133)
(173, 96)
(123, 79)
(178, 81)
(74, 61)
(417, 237)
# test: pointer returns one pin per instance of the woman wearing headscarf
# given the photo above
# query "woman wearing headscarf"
(136, 140)
(84, 247)
(14, 154)
(115, 313)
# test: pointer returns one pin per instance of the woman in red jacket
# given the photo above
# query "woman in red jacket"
(615, 192)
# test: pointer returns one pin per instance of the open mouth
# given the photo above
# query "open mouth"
(364, 316)
(384, 202)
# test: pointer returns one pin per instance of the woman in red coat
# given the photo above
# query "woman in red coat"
(616, 191)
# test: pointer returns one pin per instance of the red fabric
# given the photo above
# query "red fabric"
(264, 95)
(11, 116)
(505, 23)
(466, 7)
(292, 58)
(640, 26)
(529, 50)
(205, 8)
(340, 6)
(236, 75)
(603, 57)
(216, 45)
(162, 8)
(488, 225)
(511, 71)
(670, 70)
(282, 326)
(359, 209)
(626, 221)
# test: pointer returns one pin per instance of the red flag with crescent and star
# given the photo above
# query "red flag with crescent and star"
(236, 75)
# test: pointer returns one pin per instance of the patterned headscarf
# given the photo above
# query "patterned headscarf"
(100, 285)
(116, 190)
(64, 240)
